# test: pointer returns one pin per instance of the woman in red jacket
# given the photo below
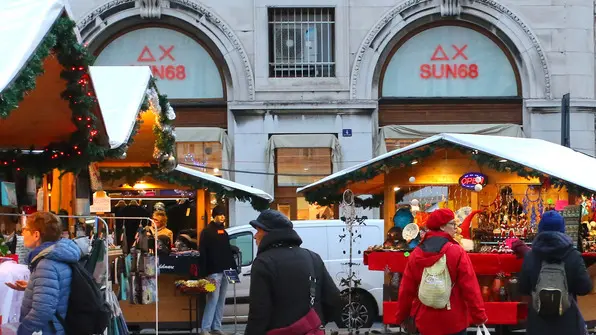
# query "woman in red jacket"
(466, 304)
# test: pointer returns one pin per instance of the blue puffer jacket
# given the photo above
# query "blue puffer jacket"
(49, 288)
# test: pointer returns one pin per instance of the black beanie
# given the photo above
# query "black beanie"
(218, 210)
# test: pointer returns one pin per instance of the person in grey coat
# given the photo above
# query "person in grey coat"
(48, 289)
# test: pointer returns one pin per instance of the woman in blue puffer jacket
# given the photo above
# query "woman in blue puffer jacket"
(48, 289)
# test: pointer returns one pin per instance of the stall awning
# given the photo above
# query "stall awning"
(24, 25)
(549, 158)
(120, 92)
(227, 184)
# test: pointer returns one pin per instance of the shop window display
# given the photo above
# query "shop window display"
(207, 154)
(302, 166)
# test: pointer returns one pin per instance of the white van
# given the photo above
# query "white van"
(322, 237)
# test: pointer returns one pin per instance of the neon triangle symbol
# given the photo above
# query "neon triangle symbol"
(440, 50)
(146, 55)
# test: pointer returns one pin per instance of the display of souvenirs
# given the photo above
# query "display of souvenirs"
(588, 236)
(196, 286)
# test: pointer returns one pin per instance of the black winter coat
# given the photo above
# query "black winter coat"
(215, 250)
(279, 284)
(555, 247)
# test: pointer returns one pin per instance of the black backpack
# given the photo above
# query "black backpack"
(88, 312)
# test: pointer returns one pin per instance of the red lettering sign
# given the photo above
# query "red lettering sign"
(449, 70)
(146, 55)
(167, 72)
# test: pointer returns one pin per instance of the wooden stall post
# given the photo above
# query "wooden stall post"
(388, 205)
(201, 213)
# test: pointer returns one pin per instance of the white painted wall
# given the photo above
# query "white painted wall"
(562, 29)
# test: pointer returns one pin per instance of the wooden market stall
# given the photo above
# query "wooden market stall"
(51, 123)
(149, 172)
(503, 183)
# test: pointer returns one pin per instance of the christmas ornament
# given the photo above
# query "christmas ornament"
(412, 179)
(478, 179)
(477, 187)
(123, 156)
(169, 164)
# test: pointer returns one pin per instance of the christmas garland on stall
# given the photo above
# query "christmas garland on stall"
(132, 175)
(331, 193)
(82, 147)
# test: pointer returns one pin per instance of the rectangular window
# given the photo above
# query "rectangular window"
(398, 143)
(301, 166)
(244, 242)
(207, 156)
(301, 42)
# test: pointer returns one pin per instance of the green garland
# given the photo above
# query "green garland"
(331, 193)
(82, 147)
(133, 175)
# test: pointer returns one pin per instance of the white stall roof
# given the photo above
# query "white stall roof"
(120, 91)
(23, 26)
(224, 182)
(547, 157)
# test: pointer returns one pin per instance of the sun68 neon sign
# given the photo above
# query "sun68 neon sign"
(444, 66)
(163, 71)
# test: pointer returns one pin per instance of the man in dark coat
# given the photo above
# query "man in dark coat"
(215, 257)
(553, 245)
(279, 282)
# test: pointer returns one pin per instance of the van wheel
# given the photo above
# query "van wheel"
(362, 309)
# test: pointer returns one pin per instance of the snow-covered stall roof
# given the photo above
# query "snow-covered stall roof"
(120, 91)
(224, 182)
(24, 25)
(547, 157)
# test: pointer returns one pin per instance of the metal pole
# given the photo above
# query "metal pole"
(235, 311)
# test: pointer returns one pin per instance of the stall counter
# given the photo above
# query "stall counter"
(499, 313)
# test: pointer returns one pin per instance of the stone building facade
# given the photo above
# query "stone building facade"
(277, 93)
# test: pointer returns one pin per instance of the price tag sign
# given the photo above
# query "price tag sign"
(232, 276)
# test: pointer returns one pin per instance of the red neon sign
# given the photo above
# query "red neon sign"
(449, 70)
(167, 72)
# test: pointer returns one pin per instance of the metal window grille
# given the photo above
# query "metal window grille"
(301, 42)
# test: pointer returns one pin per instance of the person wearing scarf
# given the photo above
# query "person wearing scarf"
(466, 304)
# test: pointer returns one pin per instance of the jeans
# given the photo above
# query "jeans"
(214, 307)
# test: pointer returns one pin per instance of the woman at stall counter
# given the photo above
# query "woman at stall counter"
(48, 289)
(465, 300)
(161, 221)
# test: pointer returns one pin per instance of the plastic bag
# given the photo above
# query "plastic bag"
(482, 330)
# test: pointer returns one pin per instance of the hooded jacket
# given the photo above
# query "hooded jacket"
(49, 287)
(467, 306)
(279, 284)
(555, 247)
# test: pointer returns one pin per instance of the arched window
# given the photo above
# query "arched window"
(449, 61)
(183, 67)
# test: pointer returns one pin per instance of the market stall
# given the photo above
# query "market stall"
(57, 115)
(497, 186)
(146, 179)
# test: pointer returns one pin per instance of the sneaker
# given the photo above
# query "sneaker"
(204, 332)
(218, 332)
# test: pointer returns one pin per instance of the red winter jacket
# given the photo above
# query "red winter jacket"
(467, 306)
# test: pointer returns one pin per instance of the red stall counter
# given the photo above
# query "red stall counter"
(499, 313)
(484, 264)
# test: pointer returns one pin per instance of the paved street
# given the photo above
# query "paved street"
(376, 329)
